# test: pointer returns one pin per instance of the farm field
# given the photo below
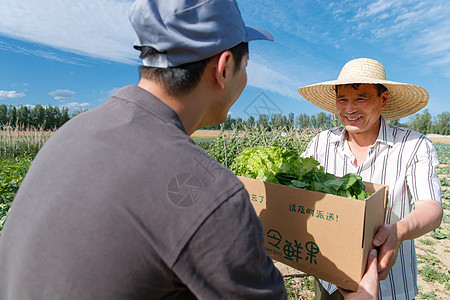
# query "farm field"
(433, 249)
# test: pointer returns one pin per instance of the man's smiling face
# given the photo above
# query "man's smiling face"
(360, 109)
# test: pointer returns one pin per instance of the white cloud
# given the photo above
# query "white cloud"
(413, 28)
(375, 8)
(5, 95)
(94, 28)
(63, 95)
(263, 77)
(435, 42)
(75, 106)
(49, 54)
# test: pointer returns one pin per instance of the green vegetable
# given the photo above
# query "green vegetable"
(271, 164)
(263, 163)
(440, 233)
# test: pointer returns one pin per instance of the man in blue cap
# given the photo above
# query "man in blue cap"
(121, 204)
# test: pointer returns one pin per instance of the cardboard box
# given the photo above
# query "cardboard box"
(320, 234)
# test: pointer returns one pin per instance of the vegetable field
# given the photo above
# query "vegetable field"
(433, 249)
(17, 150)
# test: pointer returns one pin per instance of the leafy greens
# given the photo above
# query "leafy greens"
(285, 167)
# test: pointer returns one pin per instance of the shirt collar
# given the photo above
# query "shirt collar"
(385, 135)
(149, 103)
(337, 135)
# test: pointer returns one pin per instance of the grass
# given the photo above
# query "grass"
(430, 274)
(429, 295)
(308, 283)
(18, 147)
(428, 259)
(227, 146)
(296, 287)
(291, 288)
(428, 242)
(446, 204)
(22, 141)
(430, 271)
(12, 171)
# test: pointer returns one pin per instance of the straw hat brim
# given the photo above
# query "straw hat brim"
(404, 99)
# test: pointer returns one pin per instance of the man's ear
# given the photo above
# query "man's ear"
(384, 98)
(223, 68)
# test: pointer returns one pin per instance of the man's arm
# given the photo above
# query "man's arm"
(426, 216)
(425, 190)
(368, 287)
(226, 259)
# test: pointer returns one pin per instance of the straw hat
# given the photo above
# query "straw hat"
(404, 99)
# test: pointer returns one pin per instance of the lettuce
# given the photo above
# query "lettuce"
(263, 163)
(286, 167)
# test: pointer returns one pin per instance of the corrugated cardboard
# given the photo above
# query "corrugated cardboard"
(320, 234)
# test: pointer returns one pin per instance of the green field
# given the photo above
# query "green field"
(17, 152)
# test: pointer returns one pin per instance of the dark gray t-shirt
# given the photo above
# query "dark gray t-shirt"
(121, 204)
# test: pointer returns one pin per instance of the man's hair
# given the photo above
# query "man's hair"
(379, 87)
(184, 78)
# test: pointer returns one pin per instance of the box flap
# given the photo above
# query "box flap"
(374, 216)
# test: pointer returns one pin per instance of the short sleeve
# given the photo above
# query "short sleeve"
(423, 181)
(226, 259)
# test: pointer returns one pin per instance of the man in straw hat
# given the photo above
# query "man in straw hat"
(121, 204)
(381, 153)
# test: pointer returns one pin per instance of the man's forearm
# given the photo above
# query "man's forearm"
(426, 216)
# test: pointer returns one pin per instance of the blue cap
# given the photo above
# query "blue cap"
(185, 31)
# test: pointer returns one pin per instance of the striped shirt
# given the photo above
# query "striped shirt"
(405, 161)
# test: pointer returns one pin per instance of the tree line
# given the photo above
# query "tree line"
(425, 123)
(42, 117)
(422, 122)
(320, 120)
(51, 118)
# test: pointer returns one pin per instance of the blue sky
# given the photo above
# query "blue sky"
(77, 53)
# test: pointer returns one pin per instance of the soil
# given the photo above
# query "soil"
(440, 140)
(210, 134)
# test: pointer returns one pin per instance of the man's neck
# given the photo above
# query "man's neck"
(366, 138)
(361, 140)
(188, 107)
(360, 143)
